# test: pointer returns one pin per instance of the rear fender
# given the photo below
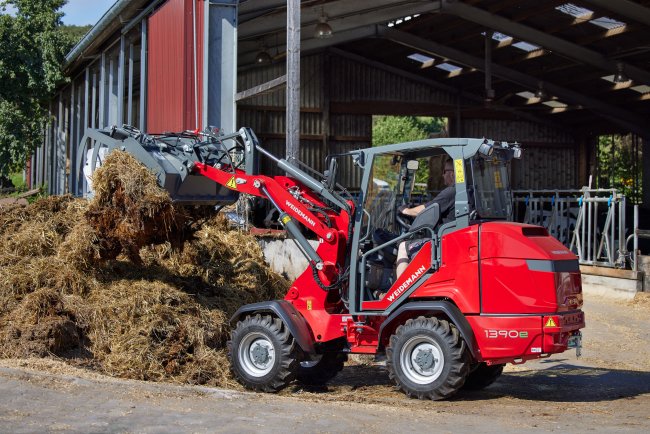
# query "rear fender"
(437, 309)
(291, 318)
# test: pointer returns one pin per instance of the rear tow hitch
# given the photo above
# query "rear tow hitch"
(575, 341)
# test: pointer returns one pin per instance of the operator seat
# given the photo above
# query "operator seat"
(429, 217)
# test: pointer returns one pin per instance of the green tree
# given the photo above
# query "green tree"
(32, 49)
(620, 165)
(74, 33)
(387, 130)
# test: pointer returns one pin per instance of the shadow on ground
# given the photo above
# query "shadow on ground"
(567, 383)
(561, 382)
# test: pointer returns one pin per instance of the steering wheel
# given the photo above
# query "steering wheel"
(403, 221)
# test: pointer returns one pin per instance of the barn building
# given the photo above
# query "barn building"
(308, 76)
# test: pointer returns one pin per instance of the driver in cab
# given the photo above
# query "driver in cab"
(446, 200)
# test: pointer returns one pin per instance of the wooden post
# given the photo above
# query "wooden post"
(293, 78)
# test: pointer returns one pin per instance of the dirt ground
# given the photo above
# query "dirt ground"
(607, 390)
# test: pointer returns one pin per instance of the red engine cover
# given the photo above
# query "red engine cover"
(510, 284)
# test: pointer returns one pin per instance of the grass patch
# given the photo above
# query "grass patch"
(17, 179)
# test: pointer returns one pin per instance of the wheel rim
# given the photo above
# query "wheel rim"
(257, 354)
(422, 360)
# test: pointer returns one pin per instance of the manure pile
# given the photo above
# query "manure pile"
(127, 284)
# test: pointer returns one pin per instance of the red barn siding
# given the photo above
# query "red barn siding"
(170, 67)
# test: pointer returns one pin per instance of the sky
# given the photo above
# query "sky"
(83, 12)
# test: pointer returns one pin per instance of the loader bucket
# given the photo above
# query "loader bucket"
(169, 159)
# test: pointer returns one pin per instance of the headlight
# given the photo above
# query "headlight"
(486, 149)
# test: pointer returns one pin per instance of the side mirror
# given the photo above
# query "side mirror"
(412, 165)
(330, 174)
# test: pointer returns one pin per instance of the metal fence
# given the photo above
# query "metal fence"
(590, 222)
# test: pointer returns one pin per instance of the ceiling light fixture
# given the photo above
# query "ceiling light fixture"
(262, 57)
(323, 30)
(540, 92)
(620, 76)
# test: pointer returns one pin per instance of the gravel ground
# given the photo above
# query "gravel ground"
(607, 390)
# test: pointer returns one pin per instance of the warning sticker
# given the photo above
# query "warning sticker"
(286, 219)
(460, 171)
(232, 184)
(309, 305)
(550, 323)
(497, 180)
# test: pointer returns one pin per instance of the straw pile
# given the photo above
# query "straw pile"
(101, 284)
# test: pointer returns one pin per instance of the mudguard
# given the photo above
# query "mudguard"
(437, 307)
(291, 318)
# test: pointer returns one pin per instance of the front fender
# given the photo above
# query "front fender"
(289, 315)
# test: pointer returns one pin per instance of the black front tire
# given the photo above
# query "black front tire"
(482, 376)
(427, 358)
(321, 369)
(263, 354)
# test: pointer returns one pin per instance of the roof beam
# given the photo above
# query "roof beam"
(437, 85)
(312, 44)
(342, 15)
(550, 42)
(628, 120)
(625, 8)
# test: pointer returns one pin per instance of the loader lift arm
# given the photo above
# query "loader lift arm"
(276, 190)
(298, 197)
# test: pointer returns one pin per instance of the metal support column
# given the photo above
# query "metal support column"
(293, 79)
(120, 82)
(48, 178)
(86, 102)
(112, 94)
(86, 124)
(129, 106)
(489, 92)
(220, 64)
(102, 91)
(645, 203)
(72, 128)
(143, 77)
(59, 150)
(94, 121)
(51, 151)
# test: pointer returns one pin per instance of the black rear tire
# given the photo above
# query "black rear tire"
(263, 354)
(427, 358)
(482, 376)
(321, 369)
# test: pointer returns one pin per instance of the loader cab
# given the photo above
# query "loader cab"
(396, 175)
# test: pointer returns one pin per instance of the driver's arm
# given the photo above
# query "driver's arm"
(413, 212)
(444, 196)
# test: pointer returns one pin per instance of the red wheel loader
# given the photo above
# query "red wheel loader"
(480, 292)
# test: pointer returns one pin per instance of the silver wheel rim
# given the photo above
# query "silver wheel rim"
(257, 354)
(422, 360)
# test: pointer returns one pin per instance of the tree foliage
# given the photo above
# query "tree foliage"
(32, 49)
(620, 165)
(388, 130)
(74, 33)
